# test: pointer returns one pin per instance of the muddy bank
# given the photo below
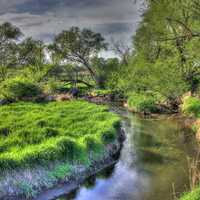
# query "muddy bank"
(12, 185)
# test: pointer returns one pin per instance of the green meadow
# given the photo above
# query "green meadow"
(32, 134)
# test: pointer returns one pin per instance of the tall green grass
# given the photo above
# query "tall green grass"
(191, 106)
(38, 133)
(194, 195)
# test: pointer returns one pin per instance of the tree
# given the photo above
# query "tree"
(104, 69)
(122, 50)
(31, 52)
(184, 34)
(79, 46)
(8, 47)
(167, 32)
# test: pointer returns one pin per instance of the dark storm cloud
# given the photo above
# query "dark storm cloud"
(42, 6)
(43, 19)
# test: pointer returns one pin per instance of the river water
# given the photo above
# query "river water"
(153, 164)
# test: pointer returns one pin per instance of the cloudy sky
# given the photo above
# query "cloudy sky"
(42, 19)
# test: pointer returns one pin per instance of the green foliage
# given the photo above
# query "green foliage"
(38, 133)
(9, 34)
(191, 106)
(165, 58)
(31, 52)
(79, 46)
(19, 88)
(53, 86)
(99, 92)
(142, 103)
(58, 87)
(194, 195)
(104, 69)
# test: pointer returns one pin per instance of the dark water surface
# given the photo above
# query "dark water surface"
(154, 160)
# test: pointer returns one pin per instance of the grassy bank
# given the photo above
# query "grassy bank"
(191, 108)
(194, 195)
(66, 133)
(37, 133)
(149, 102)
(142, 102)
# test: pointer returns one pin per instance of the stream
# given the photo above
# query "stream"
(153, 164)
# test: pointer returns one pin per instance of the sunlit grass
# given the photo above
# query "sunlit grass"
(38, 133)
(194, 195)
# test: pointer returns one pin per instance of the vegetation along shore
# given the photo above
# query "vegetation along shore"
(53, 132)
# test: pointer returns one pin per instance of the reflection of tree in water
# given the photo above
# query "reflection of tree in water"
(153, 157)
(155, 143)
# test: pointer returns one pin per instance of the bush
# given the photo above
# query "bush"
(100, 92)
(191, 106)
(142, 103)
(58, 87)
(194, 195)
(54, 86)
(19, 88)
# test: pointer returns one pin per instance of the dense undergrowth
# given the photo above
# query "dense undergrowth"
(147, 102)
(191, 106)
(140, 103)
(194, 195)
(38, 133)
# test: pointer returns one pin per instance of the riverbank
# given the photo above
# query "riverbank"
(188, 114)
(154, 155)
(54, 143)
(68, 181)
(110, 157)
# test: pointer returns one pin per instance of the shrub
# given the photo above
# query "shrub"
(194, 195)
(142, 103)
(54, 86)
(100, 92)
(191, 106)
(19, 88)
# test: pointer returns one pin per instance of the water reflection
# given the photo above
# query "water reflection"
(152, 160)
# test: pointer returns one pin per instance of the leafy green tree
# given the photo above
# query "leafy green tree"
(166, 46)
(104, 68)
(31, 52)
(78, 47)
(9, 34)
(171, 29)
